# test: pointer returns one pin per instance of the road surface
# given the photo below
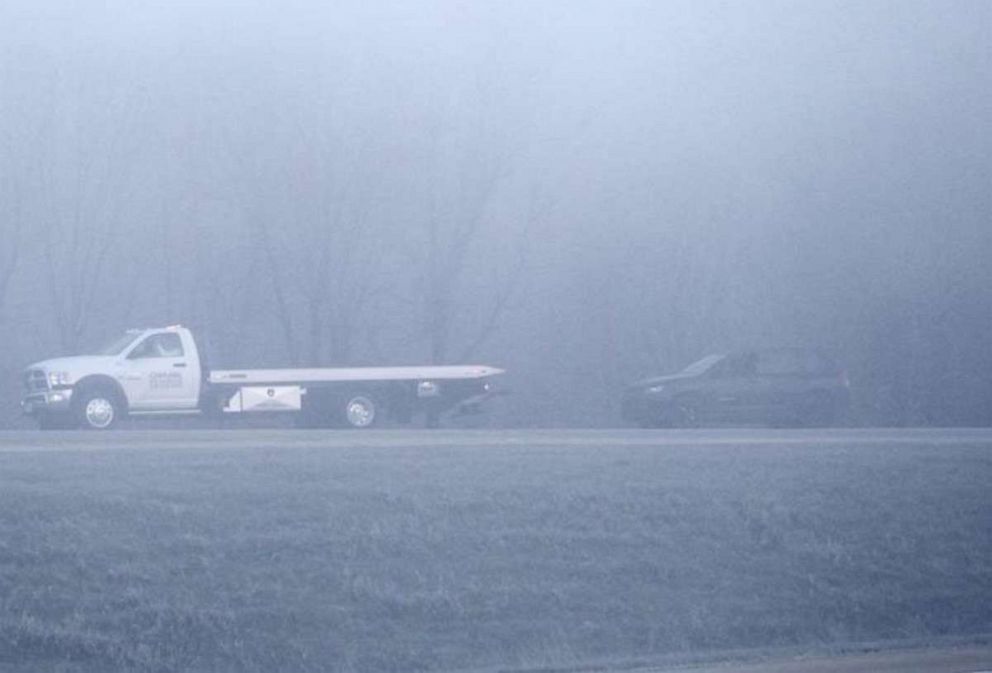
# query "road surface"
(136, 438)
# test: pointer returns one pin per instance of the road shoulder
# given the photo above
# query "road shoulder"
(964, 659)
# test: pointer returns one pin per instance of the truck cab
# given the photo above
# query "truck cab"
(144, 370)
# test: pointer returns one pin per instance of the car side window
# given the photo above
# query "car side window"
(166, 345)
(781, 363)
(740, 365)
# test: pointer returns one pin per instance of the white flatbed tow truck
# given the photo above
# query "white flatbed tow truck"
(159, 372)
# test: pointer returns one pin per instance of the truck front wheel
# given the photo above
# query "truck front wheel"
(97, 409)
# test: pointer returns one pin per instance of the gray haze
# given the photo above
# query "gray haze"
(584, 193)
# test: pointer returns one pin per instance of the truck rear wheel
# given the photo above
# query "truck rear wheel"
(360, 411)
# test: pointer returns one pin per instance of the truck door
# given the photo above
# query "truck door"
(157, 375)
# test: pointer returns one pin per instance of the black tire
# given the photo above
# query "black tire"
(680, 413)
(359, 411)
(97, 408)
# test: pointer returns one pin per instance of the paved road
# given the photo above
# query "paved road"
(138, 438)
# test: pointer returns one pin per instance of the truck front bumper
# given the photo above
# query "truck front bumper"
(49, 402)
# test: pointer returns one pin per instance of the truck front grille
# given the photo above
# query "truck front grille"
(35, 381)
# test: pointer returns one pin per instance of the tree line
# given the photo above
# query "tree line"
(295, 223)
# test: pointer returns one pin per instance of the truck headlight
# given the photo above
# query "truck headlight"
(59, 379)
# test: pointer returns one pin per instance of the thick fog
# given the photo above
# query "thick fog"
(584, 193)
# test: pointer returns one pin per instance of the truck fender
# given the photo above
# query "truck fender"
(103, 382)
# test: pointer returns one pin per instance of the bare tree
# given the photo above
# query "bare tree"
(311, 194)
(339, 241)
(14, 148)
(85, 168)
(11, 226)
(676, 278)
(473, 160)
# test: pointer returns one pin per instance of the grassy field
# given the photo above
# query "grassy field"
(474, 552)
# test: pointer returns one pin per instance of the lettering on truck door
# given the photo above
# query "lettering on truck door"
(157, 375)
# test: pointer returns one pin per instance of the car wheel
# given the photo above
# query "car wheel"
(679, 413)
(687, 417)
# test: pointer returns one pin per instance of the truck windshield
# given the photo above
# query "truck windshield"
(117, 346)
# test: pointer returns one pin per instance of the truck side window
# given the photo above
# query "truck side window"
(166, 345)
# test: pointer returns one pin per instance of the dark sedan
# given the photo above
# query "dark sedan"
(783, 387)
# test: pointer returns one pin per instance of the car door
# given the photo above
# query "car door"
(781, 374)
(732, 390)
(156, 375)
